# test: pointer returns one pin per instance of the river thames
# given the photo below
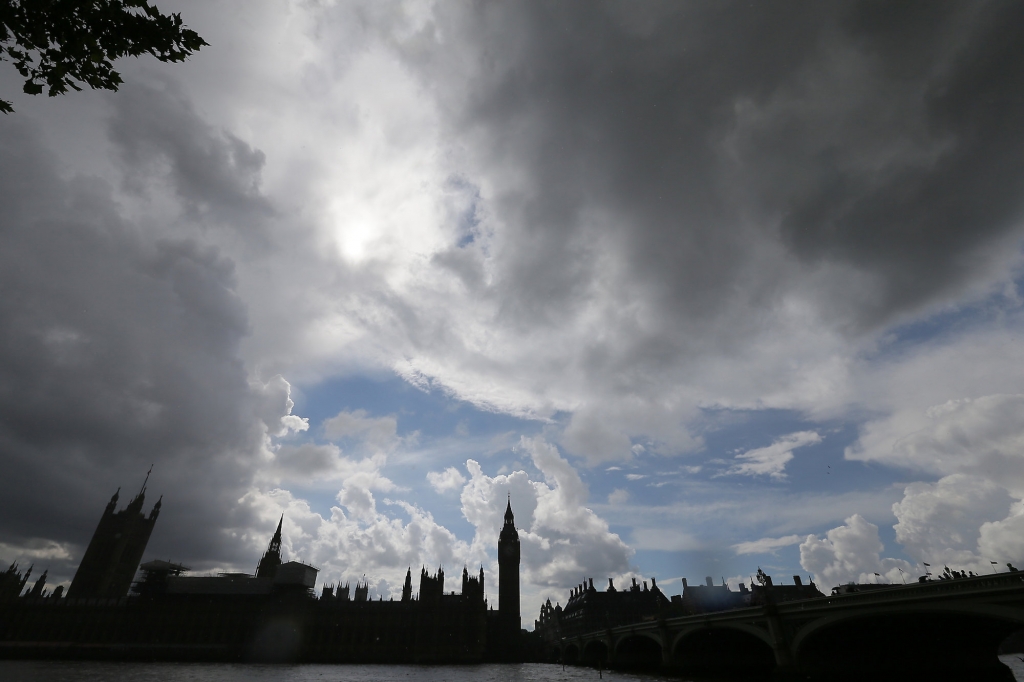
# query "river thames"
(88, 671)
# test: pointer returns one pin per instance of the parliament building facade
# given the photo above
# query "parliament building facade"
(270, 615)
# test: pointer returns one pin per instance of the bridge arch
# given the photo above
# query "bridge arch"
(596, 653)
(953, 639)
(638, 650)
(731, 649)
(752, 630)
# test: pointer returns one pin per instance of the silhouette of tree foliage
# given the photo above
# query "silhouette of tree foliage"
(56, 44)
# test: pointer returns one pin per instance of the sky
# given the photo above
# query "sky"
(701, 287)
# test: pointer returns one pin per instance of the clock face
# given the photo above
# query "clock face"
(508, 551)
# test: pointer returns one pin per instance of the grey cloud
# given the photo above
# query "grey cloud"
(939, 112)
(118, 349)
(679, 201)
(213, 172)
(886, 139)
(303, 462)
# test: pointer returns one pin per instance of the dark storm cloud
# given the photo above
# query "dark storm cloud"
(214, 173)
(918, 223)
(882, 137)
(118, 349)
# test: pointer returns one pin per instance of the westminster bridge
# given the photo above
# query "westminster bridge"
(944, 629)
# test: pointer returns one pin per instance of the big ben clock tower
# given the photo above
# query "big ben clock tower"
(508, 575)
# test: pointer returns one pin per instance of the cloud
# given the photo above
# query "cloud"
(665, 540)
(1001, 541)
(444, 481)
(379, 433)
(215, 175)
(278, 406)
(618, 496)
(37, 550)
(356, 539)
(772, 460)
(983, 436)
(940, 522)
(656, 229)
(850, 553)
(562, 540)
(121, 351)
(766, 544)
(966, 518)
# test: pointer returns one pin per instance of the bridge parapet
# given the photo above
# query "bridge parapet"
(993, 603)
(988, 585)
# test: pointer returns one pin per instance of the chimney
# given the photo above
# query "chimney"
(684, 583)
(797, 581)
(709, 582)
(591, 584)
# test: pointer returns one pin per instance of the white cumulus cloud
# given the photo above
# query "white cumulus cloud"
(562, 539)
(772, 460)
(766, 544)
(941, 522)
(850, 553)
(444, 481)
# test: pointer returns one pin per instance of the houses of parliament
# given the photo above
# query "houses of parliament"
(120, 608)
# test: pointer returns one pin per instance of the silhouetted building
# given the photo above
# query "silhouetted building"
(272, 615)
(508, 574)
(116, 548)
(473, 588)
(768, 592)
(708, 598)
(431, 586)
(272, 577)
(12, 582)
(588, 610)
(406, 588)
(155, 575)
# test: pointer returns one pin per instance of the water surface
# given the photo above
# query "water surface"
(90, 671)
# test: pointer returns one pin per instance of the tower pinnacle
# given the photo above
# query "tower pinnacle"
(267, 567)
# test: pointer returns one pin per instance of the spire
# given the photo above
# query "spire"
(275, 542)
(137, 501)
(113, 499)
(267, 567)
(509, 516)
(156, 508)
(407, 588)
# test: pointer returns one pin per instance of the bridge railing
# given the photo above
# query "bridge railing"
(913, 592)
(983, 583)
